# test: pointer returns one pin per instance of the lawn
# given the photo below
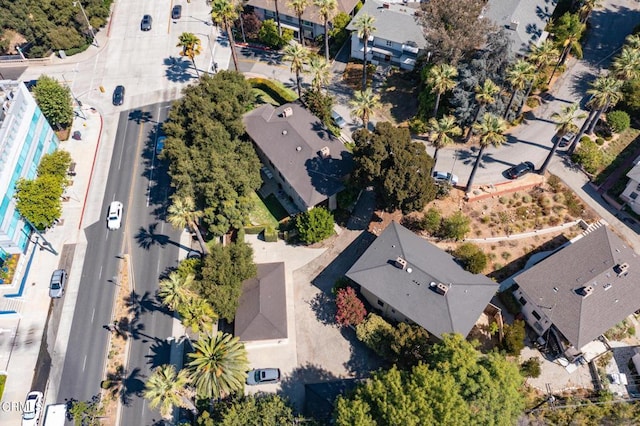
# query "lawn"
(3, 380)
(267, 212)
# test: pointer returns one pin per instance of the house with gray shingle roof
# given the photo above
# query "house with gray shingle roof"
(307, 162)
(409, 279)
(398, 37)
(631, 191)
(583, 289)
(262, 314)
(524, 20)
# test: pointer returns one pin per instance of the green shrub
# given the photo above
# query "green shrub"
(3, 381)
(376, 333)
(342, 282)
(572, 203)
(253, 230)
(315, 225)
(618, 120)
(514, 336)
(531, 367)
(417, 126)
(431, 221)
(270, 235)
(509, 301)
(599, 141)
(456, 226)
(589, 156)
(268, 34)
(554, 183)
(275, 89)
(472, 257)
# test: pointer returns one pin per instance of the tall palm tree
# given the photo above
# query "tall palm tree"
(491, 130)
(626, 66)
(326, 9)
(182, 213)
(320, 71)
(633, 41)
(485, 95)
(363, 104)
(441, 79)
(225, 12)
(167, 389)
(190, 45)
(568, 31)
(519, 75)
(299, 6)
(298, 55)
(173, 291)
(541, 56)
(441, 133)
(587, 7)
(565, 123)
(197, 314)
(278, 18)
(218, 366)
(364, 25)
(606, 91)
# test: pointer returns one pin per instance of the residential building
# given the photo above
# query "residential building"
(262, 314)
(25, 136)
(409, 279)
(631, 191)
(524, 21)
(306, 161)
(398, 37)
(312, 22)
(582, 290)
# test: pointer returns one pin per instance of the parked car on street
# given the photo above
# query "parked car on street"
(176, 12)
(566, 139)
(519, 170)
(146, 23)
(337, 119)
(441, 177)
(263, 375)
(32, 408)
(160, 144)
(118, 95)
(57, 283)
(114, 217)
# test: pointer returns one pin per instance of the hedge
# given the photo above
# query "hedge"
(275, 89)
(254, 230)
(270, 235)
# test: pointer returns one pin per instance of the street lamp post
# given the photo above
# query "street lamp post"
(93, 35)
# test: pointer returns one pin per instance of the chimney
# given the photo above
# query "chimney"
(385, 5)
(585, 291)
(400, 263)
(287, 112)
(514, 25)
(325, 152)
(621, 268)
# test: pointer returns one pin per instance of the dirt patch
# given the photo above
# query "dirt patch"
(13, 39)
(399, 98)
(352, 75)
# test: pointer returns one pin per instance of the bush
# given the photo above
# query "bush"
(431, 221)
(3, 381)
(275, 89)
(342, 282)
(509, 301)
(320, 105)
(589, 156)
(572, 203)
(350, 309)
(472, 257)
(254, 230)
(268, 34)
(376, 333)
(270, 235)
(456, 226)
(599, 141)
(514, 336)
(315, 225)
(618, 120)
(531, 367)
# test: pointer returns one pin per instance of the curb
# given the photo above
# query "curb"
(93, 165)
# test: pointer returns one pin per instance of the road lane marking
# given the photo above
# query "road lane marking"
(93, 315)
(100, 275)
(124, 143)
(84, 364)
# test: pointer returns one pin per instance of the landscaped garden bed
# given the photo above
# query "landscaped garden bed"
(8, 268)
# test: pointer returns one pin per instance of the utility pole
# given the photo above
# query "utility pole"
(93, 35)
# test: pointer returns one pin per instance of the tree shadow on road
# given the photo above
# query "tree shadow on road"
(178, 70)
(123, 385)
(159, 353)
(139, 116)
(141, 304)
(147, 237)
(292, 385)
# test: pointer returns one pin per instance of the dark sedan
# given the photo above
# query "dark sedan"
(146, 23)
(118, 95)
(176, 12)
(520, 170)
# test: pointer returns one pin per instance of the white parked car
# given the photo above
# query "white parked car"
(32, 409)
(445, 177)
(114, 217)
(263, 375)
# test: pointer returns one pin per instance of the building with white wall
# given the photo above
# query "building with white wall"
(25, 136)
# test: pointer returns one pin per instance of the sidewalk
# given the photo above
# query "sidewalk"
(23, 326)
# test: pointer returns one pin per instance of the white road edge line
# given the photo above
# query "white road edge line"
(93, 314)
(84, 364)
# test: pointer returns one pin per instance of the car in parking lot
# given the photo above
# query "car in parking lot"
(337, 119)
(263, 375)
(441, 177)
(57, 283)
(176, 12)
(566, 139)
(114, 217)
(146, 23)
(32, 408)
(118, 95)
(519, 170)
(160, 144)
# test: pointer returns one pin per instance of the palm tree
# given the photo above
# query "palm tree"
(586, 8)
(485, 95)
(197, 314)
(568, 32)
(363, 104)
(182, 213)
(626, 66)
(225, 12)
(219, 365)
(565, 123)
(441, 132)
(278, 18)
(541, 56)
(491, 130)
(299, 6)
(633, 41)
(441, 79)
(606, 92)
(320, 71)
(326, 9)
(519, 75)
(190, 48)
(167, 389)
(174, 290)
(364, 25)
(298, 56)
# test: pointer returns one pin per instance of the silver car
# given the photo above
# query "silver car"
(58, 281)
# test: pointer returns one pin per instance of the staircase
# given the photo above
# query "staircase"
(11, 306)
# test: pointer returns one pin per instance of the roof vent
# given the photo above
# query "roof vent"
(409, 270)
(298, 148)
(514, 25)
(400, 263)
(585, 291)
(284, 132)
(287, 112)
(440, 289)
(621, 268)
(325, 152)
